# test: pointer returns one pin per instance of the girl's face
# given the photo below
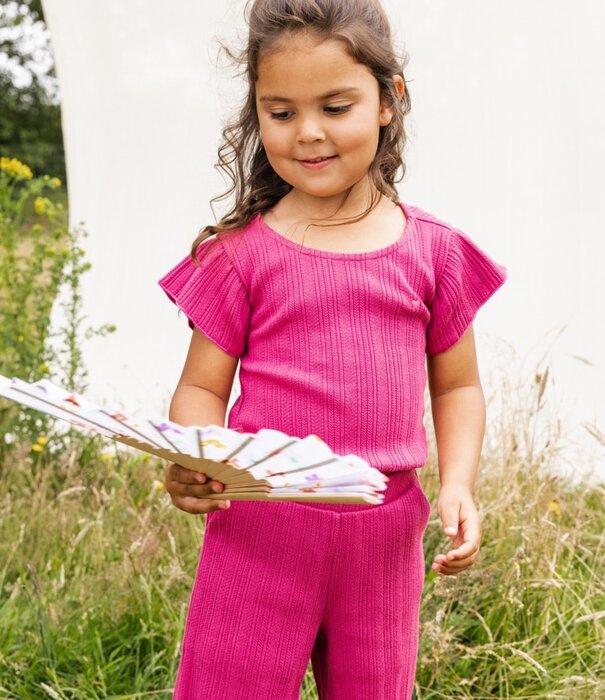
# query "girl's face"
(316, 102)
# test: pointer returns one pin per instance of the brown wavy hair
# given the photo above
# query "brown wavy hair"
(363, 27)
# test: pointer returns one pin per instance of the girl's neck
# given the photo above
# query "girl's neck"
(308, 209)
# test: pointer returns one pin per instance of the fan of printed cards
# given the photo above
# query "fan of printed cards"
(264, 466)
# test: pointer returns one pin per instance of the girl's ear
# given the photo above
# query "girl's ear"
(386, 111)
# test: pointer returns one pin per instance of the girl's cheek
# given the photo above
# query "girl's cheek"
(264, 130)
(358, 137)
(275, 143)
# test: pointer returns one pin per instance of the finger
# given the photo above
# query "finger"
(199, 506)
(464, 550)
(450, 568)
(469, 533)
(176, 488)
(179, 476)
(185, 476)
(456, 563)
(470, 528)
(455, 558)
(452, 571)
(449, 520)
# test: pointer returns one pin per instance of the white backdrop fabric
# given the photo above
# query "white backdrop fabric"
(505, 142)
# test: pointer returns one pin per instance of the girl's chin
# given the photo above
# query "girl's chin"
(327, 190)
(320, 193)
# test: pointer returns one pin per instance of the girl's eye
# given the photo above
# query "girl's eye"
(338, 109)
(280, 115)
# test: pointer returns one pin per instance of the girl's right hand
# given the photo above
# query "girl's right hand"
(187, 489)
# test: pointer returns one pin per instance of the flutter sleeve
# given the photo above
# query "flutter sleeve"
(467, 280)
(212, 296)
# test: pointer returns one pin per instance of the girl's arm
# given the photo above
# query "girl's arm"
(200, 398)
(458, 408)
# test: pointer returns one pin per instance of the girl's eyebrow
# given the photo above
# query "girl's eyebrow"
(332, 93)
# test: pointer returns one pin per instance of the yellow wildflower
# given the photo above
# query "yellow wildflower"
(37, 448)
(15, 168)
(42, 205)
(554, 507)
(20, 339)
(157, 486)
(106, 456)
(54, 183)
(42, 440)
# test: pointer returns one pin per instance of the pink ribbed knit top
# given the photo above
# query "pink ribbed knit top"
(331, 343)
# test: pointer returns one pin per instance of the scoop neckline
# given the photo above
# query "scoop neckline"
(401, 241)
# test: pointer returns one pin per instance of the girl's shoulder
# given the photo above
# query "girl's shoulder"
(428, 225)
(234, 247)
(433, 236)
(449, 249)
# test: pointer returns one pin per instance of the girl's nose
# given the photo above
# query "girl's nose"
(310, 130)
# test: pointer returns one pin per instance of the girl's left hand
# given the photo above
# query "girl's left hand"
(460, 521)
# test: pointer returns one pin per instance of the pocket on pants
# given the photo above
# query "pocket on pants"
(411, 506)
(423, 498)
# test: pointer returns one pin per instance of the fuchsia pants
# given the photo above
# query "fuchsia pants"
(281, 583)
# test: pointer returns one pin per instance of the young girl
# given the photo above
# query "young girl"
(337, 299)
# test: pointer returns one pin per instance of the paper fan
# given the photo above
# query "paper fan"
(264, 466)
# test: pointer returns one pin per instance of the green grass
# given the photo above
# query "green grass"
(96, 574)
(527, 620)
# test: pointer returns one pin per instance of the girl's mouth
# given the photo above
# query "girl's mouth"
(316, 163)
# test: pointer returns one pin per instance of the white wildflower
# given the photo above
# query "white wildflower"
(51, 691)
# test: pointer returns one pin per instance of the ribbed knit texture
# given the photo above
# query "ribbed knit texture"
(281, 583)
(331, 343)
